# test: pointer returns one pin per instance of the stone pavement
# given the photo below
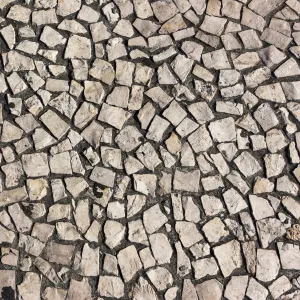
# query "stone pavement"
(149, 149)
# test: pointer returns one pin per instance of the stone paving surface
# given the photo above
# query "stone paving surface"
(149, 149)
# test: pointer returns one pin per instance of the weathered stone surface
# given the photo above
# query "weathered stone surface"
(129, 262)
(268, 230)
(35, 165)
(111, 286)
(160, 277)
(236, 287)
(145, 145)
(267, 265)
(229, 257)
(256, 291)
(223, 130)
(280, 286)
(187, 181)
(210, 289)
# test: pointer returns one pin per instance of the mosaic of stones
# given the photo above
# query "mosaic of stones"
(149, 149)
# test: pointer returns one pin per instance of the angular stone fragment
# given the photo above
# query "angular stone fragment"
(223, 130)
(160, 277)
(148, 156)
(271, 92)
(212, 205)
(246, 60)
(275, 38)
(229, 256)
(142, 8)
(183, 261)
(188, 233)
(229, 108)
(93, 133)
(59, 253)
(54, 294)
(71, 26)
(55, 124)
(256, 291)
(145, 27)
(173, 144)
(234, 201)
(154, 219)
(114, 116)
(114, 233)
(10, 256)
(274, 164)
(145, 183)
(186, 181)
(67, 8)
(256, 77)
(267, 265)
(182, 66)
(280, 286)
(103, 176)
(67, 231)
(64, 104)
(110, 286)
(268, 230)
(27, 122)
(291, 90)
(84, 114)
(206, 90)
(265, 116)
(136, 232)
(161, 248)
(163, 11)
(236, 287)
(16, 83)
(271, 56)
(250, 39)
(213, 25)
(275, 140)
(51, 37)
(173, 25)
(204, 267)
(215, 230)
(210, 40)
(42, 231)
(210, 290)
(14, 61)
(89, 265)
(129, 262)
(35, 165)
(6, 236)
(157, 128)
(236, 90)
(252, 20)
(247, 164)
(93, 91)
(21, 221)
(9, 35)
(191, 210)
(79, 289)
(216, 60)
(212, 183)
(284, 184)
(289, 256)
(31, 245)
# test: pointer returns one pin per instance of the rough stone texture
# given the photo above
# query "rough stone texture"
(149, 149)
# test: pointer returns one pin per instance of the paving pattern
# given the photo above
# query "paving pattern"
(149, 149)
